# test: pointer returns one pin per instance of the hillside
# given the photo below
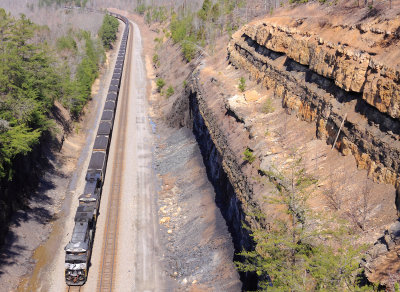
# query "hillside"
(308, 71)
(44, 86)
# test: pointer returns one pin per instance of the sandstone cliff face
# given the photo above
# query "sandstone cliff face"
(324, 82)
(350, 69)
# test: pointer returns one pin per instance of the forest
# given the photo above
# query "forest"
(35, 73)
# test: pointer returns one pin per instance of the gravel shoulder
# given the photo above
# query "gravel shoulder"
(199, 247)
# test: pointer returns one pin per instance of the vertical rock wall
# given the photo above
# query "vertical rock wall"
(233, 193)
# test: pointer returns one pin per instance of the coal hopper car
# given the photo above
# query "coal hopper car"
(79, 249)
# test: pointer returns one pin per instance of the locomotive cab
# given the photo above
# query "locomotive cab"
(77, 254)
(75, 266)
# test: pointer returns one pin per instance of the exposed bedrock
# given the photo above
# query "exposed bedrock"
(324, 82)
(233, 193)
(349, 68)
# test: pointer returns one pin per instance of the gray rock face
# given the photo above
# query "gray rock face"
(390, 241)
(233, 192)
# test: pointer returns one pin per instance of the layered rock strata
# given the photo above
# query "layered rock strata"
(326, 82)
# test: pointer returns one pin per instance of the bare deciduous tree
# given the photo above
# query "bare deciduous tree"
(361, 210)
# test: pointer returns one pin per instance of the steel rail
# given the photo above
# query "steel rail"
(74, 288)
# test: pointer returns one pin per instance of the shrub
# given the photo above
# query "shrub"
(204, 12)
(180, 28)
(148, 17)
(67, 43)
(248, 155)
(159, 42)
(160, 84)
(141, 9)
(159, 14)
(156, 60)
(242, 84)
(170, 91)
(189, 49)
(86, 73)
(267, 107)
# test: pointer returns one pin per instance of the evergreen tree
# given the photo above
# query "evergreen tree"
(28, 88)
(297, 252)
(30, 82)
(108, 30)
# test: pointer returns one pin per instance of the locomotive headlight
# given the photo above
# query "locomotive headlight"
(82, 266)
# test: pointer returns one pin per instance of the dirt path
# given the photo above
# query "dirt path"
(139, 240)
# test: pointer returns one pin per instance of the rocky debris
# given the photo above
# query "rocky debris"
(197, 240)
(382, 262)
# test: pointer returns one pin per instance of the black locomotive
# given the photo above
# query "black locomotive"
(79, 249)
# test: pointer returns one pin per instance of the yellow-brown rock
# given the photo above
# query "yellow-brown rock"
(323, 80)
(350, 68)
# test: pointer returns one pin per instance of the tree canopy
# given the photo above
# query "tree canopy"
(108, 30)
(300, 250)
(33, 76)
(28, 88)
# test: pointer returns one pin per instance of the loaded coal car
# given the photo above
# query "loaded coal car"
(105, 128)
(109, 105)
(97, 167)
(101, 143)
(115, 82)
(112, 96)
(107, 115)
(113, 88)
(116, 75)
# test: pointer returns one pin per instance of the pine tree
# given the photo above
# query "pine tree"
(297, 251)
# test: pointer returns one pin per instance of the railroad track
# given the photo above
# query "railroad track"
(109, 248)
(74, 288)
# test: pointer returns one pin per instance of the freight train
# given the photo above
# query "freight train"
(79, 248)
